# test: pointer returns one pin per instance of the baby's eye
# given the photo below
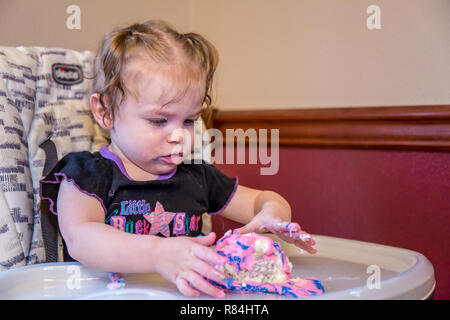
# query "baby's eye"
(158, 122)
(189, 122)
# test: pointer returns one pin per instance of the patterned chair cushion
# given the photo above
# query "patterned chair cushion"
(17, 101)
(44, 115)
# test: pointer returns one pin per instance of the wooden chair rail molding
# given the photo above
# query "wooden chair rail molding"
(412, 128)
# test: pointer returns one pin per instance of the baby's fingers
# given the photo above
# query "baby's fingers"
(301, 236)
(208, 271)
(307, 246)
(293, 231)
(208, 255)
(201, 284)
(185, 288)
(289, 227)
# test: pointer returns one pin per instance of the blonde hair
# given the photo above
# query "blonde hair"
(192, 53)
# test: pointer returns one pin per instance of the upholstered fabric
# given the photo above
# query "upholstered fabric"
(43, 119)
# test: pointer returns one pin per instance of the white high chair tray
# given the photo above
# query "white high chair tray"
(348, 269)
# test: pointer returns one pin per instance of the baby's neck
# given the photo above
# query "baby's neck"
(139, 174)
(133, 171)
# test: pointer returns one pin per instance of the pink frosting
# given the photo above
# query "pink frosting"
(240, 249)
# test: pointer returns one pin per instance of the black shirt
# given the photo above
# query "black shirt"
(170, 206)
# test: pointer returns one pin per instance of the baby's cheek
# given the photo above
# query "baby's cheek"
(143, 155)
(146, 154)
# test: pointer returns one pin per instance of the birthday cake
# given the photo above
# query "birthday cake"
(257, 263)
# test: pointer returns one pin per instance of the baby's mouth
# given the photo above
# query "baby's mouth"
(175, 158)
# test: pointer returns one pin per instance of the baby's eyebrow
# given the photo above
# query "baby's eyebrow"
(198, 114)
(161, 112)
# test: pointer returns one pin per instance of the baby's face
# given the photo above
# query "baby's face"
(154, 131)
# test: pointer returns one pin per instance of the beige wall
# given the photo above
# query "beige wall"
(277, 53)
(319, 53)
(43, 22)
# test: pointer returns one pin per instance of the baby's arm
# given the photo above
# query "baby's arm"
(266, 211)
(182, 260)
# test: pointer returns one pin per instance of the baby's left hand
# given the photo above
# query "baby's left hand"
(292, 233)
(266, 221)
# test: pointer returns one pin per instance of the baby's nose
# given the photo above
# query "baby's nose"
(176, 136)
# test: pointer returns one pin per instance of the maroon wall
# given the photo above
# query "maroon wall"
(394, 198)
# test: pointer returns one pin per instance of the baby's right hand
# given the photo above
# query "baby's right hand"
(186, 261)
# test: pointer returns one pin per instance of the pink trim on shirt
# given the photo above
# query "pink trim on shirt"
(58, 180)
(229, 198)
(108, 154)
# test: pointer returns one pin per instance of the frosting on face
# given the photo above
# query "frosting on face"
(258, 264)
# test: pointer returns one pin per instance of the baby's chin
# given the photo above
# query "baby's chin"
(167, 161)
(158, 167)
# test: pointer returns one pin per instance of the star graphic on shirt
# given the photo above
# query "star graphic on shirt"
(160, 219)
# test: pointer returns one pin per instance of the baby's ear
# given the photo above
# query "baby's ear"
(98, 111)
